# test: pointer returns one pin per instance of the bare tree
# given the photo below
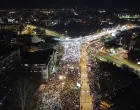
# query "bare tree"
(22, 89)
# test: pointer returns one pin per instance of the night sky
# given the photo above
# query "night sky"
(69, 3)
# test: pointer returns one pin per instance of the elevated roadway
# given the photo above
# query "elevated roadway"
(29, 30)
(118, 61)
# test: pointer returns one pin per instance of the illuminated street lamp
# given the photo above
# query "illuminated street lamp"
(138, 63)
(61, 77)
(63, 83)
(66, 33)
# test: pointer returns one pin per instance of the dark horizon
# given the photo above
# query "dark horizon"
(68, 4)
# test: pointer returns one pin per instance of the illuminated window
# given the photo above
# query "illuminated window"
(35, 64)
(25, 64)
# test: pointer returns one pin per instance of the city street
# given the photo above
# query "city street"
(75, 52)
(65, 56)
(85, 97)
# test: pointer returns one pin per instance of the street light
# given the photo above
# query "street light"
(61, 77)
(63, 83)
(66, 33)
(138, 63)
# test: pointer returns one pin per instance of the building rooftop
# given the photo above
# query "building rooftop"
(39, 57)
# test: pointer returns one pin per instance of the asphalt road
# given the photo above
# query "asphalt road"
(85, 97)
(47, 31)
(119, 61)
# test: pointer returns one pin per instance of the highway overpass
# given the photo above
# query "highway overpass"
(118, 61)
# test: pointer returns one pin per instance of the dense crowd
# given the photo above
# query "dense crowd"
(71, 50)
(66, 93)
(62, 93)
(70, 96)
(48, 98)
(93, 76)
(70, 92)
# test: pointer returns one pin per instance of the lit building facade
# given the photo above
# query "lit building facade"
(38, 62)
